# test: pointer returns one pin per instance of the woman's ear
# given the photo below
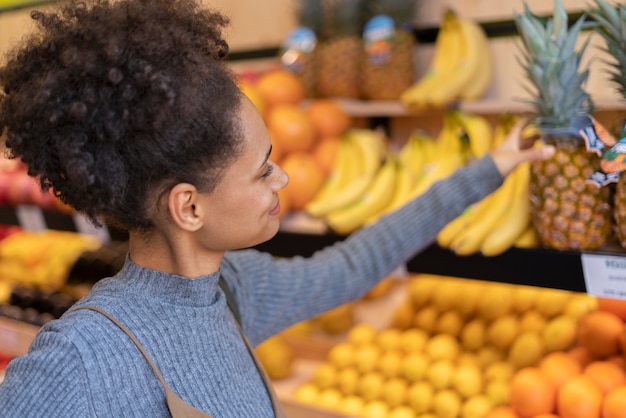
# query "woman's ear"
(183, 205)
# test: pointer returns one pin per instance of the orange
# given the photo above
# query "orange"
(606, 374)
(546, 416)
(502, 412)
(614, 403)
(531, 393)
(328, 117)
(305, 178)
(582, 355)
(277, 150)
(579, 397)
(291, 130)
(600, 332)
(280, 86)
(559, 366)
(325, 153)
(252, 92)
(616, 306)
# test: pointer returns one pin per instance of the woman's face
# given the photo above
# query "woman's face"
(243, 209)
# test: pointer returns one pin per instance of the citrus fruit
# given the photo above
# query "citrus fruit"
(531, 393)
(305, 179)
(290, 129)
(446, 404)
(401, 411)
(425, 318)
(279, 86)
(600, 332)
(329, 398)
(375, 409)
(499, 391)
(531, 321)
(551, 302)
(370, 385)
(615, 306)
(325, 153)
(502, 412)
(449, 322)
(387, 339)
(442, 347)
(473, 334)
(420, 396)
(366, 357)
(502, 331)
(559, 366)
(254, 95)
(346, 380)
(559, 333)
(394, 391)
(467, 381)
(361, 334)
(476, 406)
(526, 350)
(307, 393)
(351, 405)
(414, 366)
(605, 374)
(390, 364)
(328, 117)
(579, 397)
(412, 339)
(341, 354)
(325, 375)
(285, 204)
(440, 373)
(495, 301)
(614, 403)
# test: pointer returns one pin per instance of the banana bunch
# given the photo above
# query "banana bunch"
(499, 221)
(461, 68)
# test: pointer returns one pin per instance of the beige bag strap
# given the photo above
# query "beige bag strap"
(178, 408)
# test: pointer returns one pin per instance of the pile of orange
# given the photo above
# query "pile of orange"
(305, 133)
(588, 381)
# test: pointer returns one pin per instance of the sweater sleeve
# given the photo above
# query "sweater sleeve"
(274, 293)
(49, 380)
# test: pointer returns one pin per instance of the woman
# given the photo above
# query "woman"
(127, 110)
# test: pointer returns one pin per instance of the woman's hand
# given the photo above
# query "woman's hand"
(515, 150)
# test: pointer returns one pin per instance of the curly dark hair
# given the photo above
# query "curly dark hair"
(111, 103)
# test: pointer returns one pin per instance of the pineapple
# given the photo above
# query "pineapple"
(611, 25)
(385, 76)
(339, 49)
(567, 212)
(300, 62)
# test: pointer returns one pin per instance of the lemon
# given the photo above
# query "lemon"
(466, 305)
(442, 347)
(526, 350)
(531, 321)
(412, 339)
(476, 407)
(524, 298)
(375, 409)
(439, 373)
(551, 302)
(341, 355)
(500, 370)
(425, 318)
(496, 300)
(366, 357)
(325, 375)
(446, 404)
(579, 305)
(329, 398)
(420, 289)
(446, 295)
(414, 366)
(449, 322)
(390, 364)
(468, 358)
(420, 396)
(370, 385)
(307, 393)
(395, 391)
(560, 333)
(351, 405)
(403, 314)
(387, 339)
(467, 381)
(361, 334)
(401, 411)
(472, 334)
(488, 354)
(347, 380)
(499, 391)
(502, 331)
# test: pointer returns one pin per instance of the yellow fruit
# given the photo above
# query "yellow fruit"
(500, 370)
(277, 357)
(467, 381)
(337, 320)
(370, 386)
(325, 375)
(466, 305)
(421, 288)
(476, 407)
(387, 339)
(447, 404)
(375, 409)
(473, 334)
(551, 302)
(402, 317)
(414, 366)
(347, 380)
(499, 391)
(425, 318)
(449, 322)
(488, 354)
(412, 339)
(361, 334)
(401, 411)
(341, 354)
(531, 321)
(439, 373)
(420, 396)
(524, 298)
(526, 350)
(467, 358)
(579, 305)
(351, 405)
(560, 333)
(446, 295)
(329, 398)
(502, 331)
(442, 347)
(394, 391)
(307, 393)
(496, 300)
(390, 364)
(366, 357)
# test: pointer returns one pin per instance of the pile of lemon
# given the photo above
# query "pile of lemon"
(450, 350)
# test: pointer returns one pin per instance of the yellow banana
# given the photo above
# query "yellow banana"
(377, 196)
(365, 147)
(515, 221)
(528, 239)
(505, 123)
(459, 224)
(470, 240)
(344, 169)
(405, 179)
(478, 130)
(481, 80)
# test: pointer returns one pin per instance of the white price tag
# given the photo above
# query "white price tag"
(31, 218)
(83, 226)
(605, 275)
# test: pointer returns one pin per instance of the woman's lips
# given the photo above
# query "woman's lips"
(276, 209)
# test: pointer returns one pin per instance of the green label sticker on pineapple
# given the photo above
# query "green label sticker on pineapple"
(378, 37)
(297, 48)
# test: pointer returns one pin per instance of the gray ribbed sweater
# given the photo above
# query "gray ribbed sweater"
(82, 365)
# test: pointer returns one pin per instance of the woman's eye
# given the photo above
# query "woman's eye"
(268, 170)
